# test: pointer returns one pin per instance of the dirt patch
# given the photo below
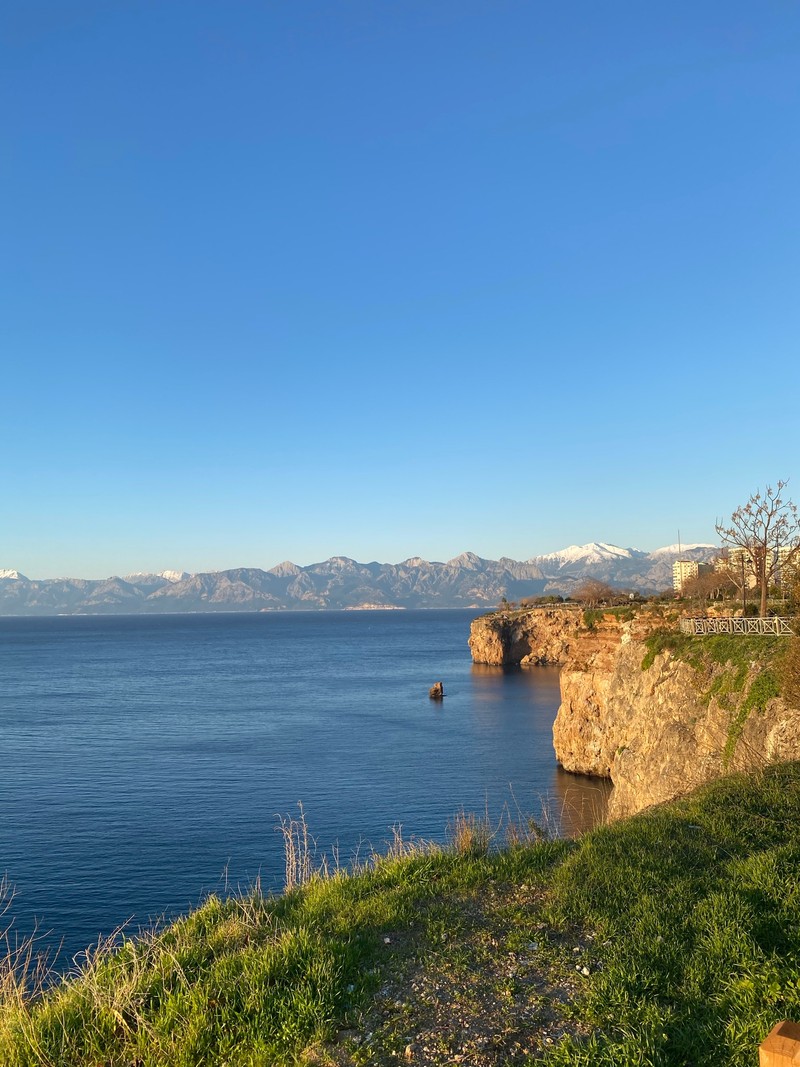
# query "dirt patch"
(498, 989)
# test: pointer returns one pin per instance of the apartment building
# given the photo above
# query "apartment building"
(683, 570)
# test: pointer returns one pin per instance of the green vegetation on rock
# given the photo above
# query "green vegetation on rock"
(790, 672)
(742, 657)
(622, 612)
(762, 689)
(666, 640)
(667, 939)
(738, 650)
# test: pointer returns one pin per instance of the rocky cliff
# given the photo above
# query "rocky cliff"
(535, 636)
(657, 724)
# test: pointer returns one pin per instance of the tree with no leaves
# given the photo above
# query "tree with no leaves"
(764, 535)
(710, 585)
(594, 592)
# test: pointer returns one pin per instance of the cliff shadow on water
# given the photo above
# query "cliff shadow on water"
(567, 804)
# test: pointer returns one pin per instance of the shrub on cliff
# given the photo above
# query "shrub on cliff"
(663, 640)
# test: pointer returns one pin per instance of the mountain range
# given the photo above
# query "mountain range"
(467, 581)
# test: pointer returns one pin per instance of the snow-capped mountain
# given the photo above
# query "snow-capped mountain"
(596, 552)
(148, 580)
(630, 568)
(677, 551)
(173, 576)
(12, 576)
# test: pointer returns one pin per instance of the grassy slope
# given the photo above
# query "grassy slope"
(686, 918)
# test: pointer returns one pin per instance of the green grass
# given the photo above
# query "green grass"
(667, 640)
(687, 917)
(698, 906)
(738, 650)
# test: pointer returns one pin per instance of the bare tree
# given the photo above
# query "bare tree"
(709, 585)
(593, 592)
(763, 537)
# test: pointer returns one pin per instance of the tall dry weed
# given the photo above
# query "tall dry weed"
(470, 834)
(301, 862)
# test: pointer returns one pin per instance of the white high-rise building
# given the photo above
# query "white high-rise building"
(682, 571)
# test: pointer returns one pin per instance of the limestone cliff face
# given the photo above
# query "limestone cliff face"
(662, 735)
(584, 734)
(660, 732)
(656, 733)
(537, 636)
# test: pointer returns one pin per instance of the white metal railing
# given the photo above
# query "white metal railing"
(776, 626)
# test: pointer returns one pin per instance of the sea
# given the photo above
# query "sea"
(148, 760)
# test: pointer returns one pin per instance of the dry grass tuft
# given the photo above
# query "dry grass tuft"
(299, 849)
(471, 835)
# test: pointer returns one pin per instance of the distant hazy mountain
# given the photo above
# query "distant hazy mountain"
(339, 582)
(147, 579)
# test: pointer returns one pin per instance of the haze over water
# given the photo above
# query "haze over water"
(146, 758)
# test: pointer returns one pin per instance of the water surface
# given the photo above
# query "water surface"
(146, 758)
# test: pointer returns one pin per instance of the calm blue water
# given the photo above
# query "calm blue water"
(144, 757)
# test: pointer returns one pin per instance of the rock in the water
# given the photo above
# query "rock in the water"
(436, 691)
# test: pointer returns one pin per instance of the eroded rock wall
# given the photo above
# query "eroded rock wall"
(537, 636)
(659, 733)
(656, 733)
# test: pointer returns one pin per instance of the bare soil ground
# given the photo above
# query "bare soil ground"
(495, 987)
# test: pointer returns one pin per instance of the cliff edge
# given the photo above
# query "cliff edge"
(657, 712)
(527, 637)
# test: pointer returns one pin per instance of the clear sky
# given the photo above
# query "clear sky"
(294, 279)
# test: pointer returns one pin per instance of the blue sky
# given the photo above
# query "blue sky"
(290, 280)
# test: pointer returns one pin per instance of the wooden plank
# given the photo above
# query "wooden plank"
(781, 1047)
